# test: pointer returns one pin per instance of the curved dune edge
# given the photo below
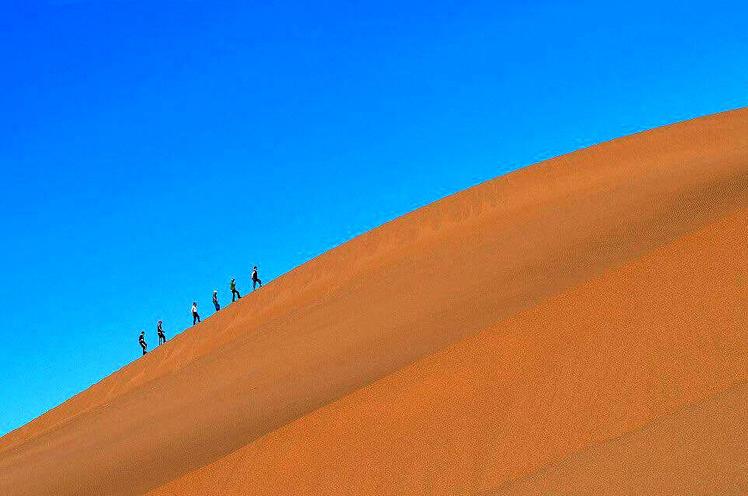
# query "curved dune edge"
(377, 304)
(601, 360)
(700, 449)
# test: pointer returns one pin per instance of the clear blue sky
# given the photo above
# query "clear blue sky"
(150, 150)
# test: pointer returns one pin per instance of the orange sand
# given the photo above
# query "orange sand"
(542, 331)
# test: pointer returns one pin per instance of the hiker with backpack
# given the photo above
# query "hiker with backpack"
(160, 331)
(142, 342)
(215, 300)
(234, 292)
(255, 279)
(195, 315)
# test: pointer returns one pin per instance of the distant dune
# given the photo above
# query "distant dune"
(579, 327)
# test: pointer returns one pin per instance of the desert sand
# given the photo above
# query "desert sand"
(577, 326)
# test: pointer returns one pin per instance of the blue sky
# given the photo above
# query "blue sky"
(152, 150)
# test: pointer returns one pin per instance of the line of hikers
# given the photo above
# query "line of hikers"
(196, 316)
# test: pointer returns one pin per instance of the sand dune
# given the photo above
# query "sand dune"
(700, 449)
(452, 351)
(579, 369)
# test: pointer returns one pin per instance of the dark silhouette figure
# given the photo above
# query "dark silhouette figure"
(160, 331)
(215, 300)
(195, 315)
(142, 342)
(255, 279)
(234, 293)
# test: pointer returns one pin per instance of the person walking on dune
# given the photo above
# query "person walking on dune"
(234, 293)
(142, 342)
(160, 331)
(195, 315)
(215, 300)
(255, 279)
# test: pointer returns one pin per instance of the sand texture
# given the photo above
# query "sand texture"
(575, 327)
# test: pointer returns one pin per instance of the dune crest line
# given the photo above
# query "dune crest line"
(377, 304)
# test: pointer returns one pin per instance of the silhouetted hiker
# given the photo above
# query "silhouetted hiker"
(215, 300)
(195, 316)
(234, 293)
(255, 279)
(142, 342)
(160, 331)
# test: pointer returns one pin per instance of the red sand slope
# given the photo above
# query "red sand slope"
(587, 296)
(579, 369)
(700, 449)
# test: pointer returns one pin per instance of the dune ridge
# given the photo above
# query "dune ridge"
(380, 303)
(625, 351)
(683, 444)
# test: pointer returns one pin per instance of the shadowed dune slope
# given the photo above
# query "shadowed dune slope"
(472, 262)
(701, 449)
(582, 368)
